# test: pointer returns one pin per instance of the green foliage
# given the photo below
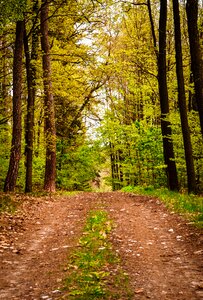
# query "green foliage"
(101, 52)
(38, 170)
(4, 152)
(78, 166)
(132, 124)
(197, 143)
(11, 10)
(191, 206)
(137, 152)
(90, 266)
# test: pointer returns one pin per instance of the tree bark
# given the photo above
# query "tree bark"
(4, 87)
(112, 158)
(192, 102)
(152, 28)
(15, 154)
(49, 110)
(31, 88)
(195, 53)
(182, 101)
(169, 156)
(29, 124)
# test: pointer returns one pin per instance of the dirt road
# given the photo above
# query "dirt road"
(161, 253)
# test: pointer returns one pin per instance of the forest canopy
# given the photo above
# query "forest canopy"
(93, 89)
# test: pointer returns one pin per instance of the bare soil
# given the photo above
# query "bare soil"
(159, 250)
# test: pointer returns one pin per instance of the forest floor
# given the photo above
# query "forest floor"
(160, 251)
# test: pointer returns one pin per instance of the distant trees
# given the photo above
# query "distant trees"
(137, 163)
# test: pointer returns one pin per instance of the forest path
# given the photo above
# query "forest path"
(160, 252)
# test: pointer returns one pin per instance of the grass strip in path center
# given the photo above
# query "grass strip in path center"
(94, 270)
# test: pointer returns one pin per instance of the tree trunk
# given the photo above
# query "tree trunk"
(112, 158)
(49, 111)
(195, 53)
(4, 87)
(15, 155)
(169, 156)
(182, 101)
(152, 28)
(31, 87)
(192, 102)
(29, 125)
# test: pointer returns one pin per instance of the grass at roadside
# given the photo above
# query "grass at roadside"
(94, 270)
(191, 206)
(8, 203)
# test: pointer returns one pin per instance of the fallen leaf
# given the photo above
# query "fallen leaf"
(138, 291)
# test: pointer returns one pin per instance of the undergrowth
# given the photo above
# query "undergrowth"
(191, 206)
(94, 271)
(7, 204)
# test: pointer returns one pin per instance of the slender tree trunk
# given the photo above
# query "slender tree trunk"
(49, 115)
(192, 102)
(182, 101)
(15, 155)
(169, 156)
(195, 53)
(152, 28)
(31, 87)
(29, 125)
(5, 98)
(4, 88)
(120, 160)
(112, 158)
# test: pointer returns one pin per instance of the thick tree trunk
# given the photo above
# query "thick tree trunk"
(182, 101)
(49, 111)
(195, 52)
(169, 156)
(15, 155)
